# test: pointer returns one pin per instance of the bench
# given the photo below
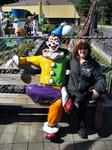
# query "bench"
(12, 90)
(13, 82)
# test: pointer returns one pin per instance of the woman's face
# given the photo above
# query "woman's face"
(82, 51)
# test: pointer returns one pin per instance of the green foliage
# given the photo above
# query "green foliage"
(99, 58)
(104, 10)
(108, 72)
(21, 50)
(82, 7)
(108, 76)
(74, 33)
(47, 28)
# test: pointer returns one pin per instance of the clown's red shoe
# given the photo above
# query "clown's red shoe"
(50, 135)
(50, 131)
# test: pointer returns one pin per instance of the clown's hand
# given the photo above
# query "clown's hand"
(64, 96)
(12, 62)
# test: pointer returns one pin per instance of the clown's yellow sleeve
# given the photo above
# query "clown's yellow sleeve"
(33, 60)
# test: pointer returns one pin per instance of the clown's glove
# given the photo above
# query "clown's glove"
(64, 96)
(12, 62)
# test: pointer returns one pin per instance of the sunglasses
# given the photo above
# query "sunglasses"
(82, 47)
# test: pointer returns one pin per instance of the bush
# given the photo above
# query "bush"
(47, 28)
(74, 33)
(21, 50)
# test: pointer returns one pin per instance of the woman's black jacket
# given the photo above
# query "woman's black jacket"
(86, 76)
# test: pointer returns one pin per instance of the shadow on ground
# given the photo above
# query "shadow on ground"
(8, 116)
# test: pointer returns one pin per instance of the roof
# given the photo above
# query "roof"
(53, 8)
(44, 2)
(60, 11)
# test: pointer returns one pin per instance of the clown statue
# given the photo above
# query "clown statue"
(53, 63)
(19, 21)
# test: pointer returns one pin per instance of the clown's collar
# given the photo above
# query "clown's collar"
(52, 55)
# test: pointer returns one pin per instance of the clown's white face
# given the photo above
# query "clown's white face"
(53, 43)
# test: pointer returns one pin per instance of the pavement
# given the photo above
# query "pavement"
(22, 130)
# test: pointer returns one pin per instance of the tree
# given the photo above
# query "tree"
(82, 7)
(104, 10)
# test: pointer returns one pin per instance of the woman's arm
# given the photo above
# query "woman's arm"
(100, 81)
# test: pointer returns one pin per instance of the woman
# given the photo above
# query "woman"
(86, 81)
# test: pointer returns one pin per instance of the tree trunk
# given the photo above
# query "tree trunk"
(85, 30)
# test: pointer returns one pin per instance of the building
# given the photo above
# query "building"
(55, 10)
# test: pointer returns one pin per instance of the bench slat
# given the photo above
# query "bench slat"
(23, 99)
(15, 98)
(18, 100)
(18, 79)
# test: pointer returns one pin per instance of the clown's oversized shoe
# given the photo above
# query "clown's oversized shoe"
(50, 131)
(50, 136)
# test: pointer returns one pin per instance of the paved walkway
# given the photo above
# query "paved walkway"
(23, 131)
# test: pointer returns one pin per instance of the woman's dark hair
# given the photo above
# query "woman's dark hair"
(82, 43)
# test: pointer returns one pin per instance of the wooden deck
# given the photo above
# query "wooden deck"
(23, 131)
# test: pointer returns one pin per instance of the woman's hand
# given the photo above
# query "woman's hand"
(95, 94)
